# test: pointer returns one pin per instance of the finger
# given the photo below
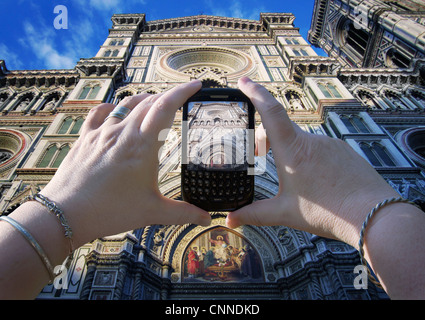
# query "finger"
(162, 112)
(174, 212)
(273, 115)
(262, 143)
(129, 102)
(96, 117)
(135, 118)
(259, 213)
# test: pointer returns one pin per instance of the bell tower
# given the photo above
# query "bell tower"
(370, 33)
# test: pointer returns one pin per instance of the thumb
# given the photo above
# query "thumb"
(175, 212)
(259, 213)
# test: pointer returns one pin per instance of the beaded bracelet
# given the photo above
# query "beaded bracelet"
(373, 279)
(57, 212)
(33, 243)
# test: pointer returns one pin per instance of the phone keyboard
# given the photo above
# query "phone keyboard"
(217, 186)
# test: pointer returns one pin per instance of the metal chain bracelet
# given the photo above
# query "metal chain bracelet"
(57, 212)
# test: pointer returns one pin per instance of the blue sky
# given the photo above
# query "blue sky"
(30, 41)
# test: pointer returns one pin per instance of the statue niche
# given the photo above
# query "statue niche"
(24, 102)
(395, 100)
(368, 100)
(3, 98)
(294, 101)
(51, 102)
(420, 98)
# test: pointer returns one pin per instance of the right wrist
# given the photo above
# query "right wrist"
(356, 208)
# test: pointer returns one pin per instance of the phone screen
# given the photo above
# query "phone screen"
(218, 136)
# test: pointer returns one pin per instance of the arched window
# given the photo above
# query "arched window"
(93, 93)
(89, 92)
(334, 90)
(377, 155)
(113, 43)
(107, 53)
(60, 156)
(333, 127)
(329, 90)
(84, 93)
(65, 125)
(356, 38)
(77, 126)
(53, 156)
(71, 126)
(354, 124)
(324, 90)
(395, 59)
(115, 53)
(47, 157)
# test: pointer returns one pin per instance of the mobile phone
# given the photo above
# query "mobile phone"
(217, 170)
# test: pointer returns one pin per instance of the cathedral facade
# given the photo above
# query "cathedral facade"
(368, 93)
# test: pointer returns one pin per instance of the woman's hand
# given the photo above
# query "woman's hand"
(108, 183)
(320, 178)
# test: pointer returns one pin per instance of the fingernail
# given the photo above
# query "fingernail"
(196, 81)
(245, 80)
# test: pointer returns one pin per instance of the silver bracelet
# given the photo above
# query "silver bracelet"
(374, 279)
(57, 212)
(34, 244)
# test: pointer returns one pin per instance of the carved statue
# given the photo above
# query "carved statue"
(50, 105)
(23, 105)
(295, 102)
(368, 101)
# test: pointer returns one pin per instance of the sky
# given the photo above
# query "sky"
(30, 41)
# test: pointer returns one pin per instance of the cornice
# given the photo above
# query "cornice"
(108, 67)
(40, 78)
(300, 67)
(379, 76)
(203, 20)
(204, 41)
(128, 19)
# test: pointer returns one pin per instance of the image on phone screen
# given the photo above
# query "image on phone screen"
(218, 138)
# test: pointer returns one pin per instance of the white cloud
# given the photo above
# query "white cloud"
(237, 9)
(40, 41)
(12, 59)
